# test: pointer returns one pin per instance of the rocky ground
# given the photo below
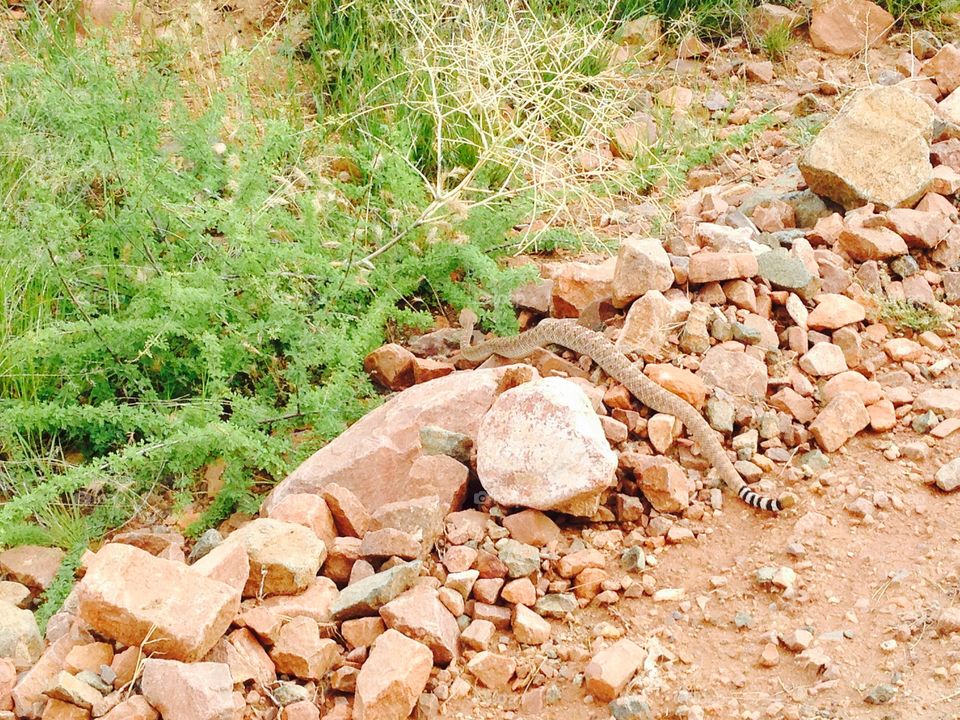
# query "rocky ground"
(525, 539)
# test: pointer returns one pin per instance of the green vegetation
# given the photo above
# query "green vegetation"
(777, 41)
(910, 315)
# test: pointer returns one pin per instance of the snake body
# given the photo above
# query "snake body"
(571, 335)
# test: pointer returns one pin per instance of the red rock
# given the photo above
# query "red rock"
(89, 656)
(349, 513)
(125, 664)
(943, 401)
(762, 72)
(487, 590)
(302, 710)
(666, 485)
(392, 678)
(792, 402)
(587, 584)
(827, 229)
(457, 558)
(420, 615)
(284, 557)
(426, 369)
(649, 322)
(496, 614)
(578, 285)
(316, 602)
(709, 266)
(900, 349)
(944, 68)
(131, 596)
(575, 563)
(344, 552)
(492, 670)
(8, 680)
(32, 565)
(840, 420)
(263, 622)
(611, 669)
(851, 381)
(300, 651)
(227, 563)
(133, 708)
(735, 372)
(391, 366)
(20, 639)
(478, 635)
(519, 592)
(373, 458)
(877, 243)
(823, 359)
(361, 632)
(847, 27)
(389, 542)
(883, 416)
(440, 476)
(249, 660)
(918, 228)
(834, 311)
(532, 527)
(59, 710)
(528, 627)
(679, 381)
(309, 510)
(189, 691)
(642, 265)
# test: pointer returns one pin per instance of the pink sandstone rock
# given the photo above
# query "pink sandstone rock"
(189, 691)
(131, 596)
(373, 458)
(392, 678)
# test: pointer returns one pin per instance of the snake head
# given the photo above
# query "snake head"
(468, 318)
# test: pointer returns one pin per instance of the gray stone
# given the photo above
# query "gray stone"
(367, 596)
(720, 414)
(808, 207)
(782, 270)
(205, 543)
(633, 559)
(904, 266)
(521, 559)
(287, 693)
(924, 422)
(880, 695)
(437, 441)
(743, 620)
(630, 707)
(556, 605)
(744, 334)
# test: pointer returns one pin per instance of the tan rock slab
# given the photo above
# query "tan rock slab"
(227, 563)
(189, 691)
(284, 557)
(132, 596)
(492, 670)
(89, 656)
(316, 602)
(875, 151)
(20, 639)
(60, 710)
(609, 671)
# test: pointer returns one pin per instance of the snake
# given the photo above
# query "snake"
(575, 336)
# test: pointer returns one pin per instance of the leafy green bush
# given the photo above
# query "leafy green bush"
(182, 283)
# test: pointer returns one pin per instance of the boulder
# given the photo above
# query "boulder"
(374, 457)
(542, 446)
(877, 150)
(32, 565)
(419, 614)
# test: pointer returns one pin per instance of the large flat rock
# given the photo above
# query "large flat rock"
(877, 150)
(374, 456)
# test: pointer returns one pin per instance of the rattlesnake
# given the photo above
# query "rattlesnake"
(578, 338)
